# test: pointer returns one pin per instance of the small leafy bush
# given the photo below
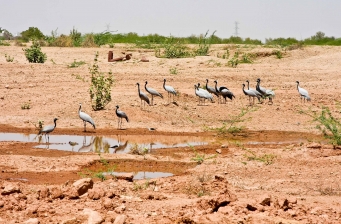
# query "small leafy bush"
(9, 58)
(246, 58)
(26, 106)
(327, 124)
(204, 45)
(100, 87)
(4, 43)
(278, 54)
(267, 159)
(34, 53)
(76, 64)
(172, 49)
(233, 62)
(230, 126)
(173, 70)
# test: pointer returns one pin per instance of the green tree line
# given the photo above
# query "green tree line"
(77, 39)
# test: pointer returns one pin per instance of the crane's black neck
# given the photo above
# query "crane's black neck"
(216, 89)
(244, 90)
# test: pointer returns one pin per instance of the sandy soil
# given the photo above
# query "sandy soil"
(279, 169)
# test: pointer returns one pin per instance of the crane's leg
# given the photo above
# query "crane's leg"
(84, 126)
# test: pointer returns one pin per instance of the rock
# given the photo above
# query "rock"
(226, 210)
(219, 177)
(56, 192)
(2, 203)
(71, 221)
(120, 219)
(107, 203)
(213, 218)
(32, 210)
(71, 193)
(218, 151)
(83, 185)
(224, 146)
(284, 204)
(44, 192)
(314, 145)
(32, 221)
(251, 207)
(96, 193)
(120, 209)
(93, 216)
(266, 200)
(10, 189)
(125, 176)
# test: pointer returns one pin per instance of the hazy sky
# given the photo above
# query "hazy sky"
(258, 19)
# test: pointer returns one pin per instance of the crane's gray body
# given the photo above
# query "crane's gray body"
(48, 129)
(143, 96)
(152, 92)
(170, 90)
(120, 114)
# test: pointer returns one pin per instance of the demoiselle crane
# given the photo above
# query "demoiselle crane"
(152, 92)
(250, 94)
(202, 94)
(120, 114)
(303, 93)
(142, 96)
(223, 91)
(267, 93)
(211, 89)
(259, 95)
(85, 118)
(170, 90)
(48, 129)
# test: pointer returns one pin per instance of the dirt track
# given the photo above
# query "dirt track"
(280, 155)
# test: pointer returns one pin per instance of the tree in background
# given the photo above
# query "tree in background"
(33, 33)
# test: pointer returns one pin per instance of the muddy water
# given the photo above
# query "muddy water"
(105, 144)
(172, 145)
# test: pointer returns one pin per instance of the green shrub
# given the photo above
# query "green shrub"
(173, 70)
(204, 45)
(9, 58)
(4, 43)
(172, 49)
(246, 58)
(76, 37)
(33, 33)
(327, 124)
(34, 53)
(100, 87)
(76, 64)
(278, 54)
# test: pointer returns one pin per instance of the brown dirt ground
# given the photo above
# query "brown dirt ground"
(279, 155)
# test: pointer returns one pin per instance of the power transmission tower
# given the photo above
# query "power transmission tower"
(236, 29)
